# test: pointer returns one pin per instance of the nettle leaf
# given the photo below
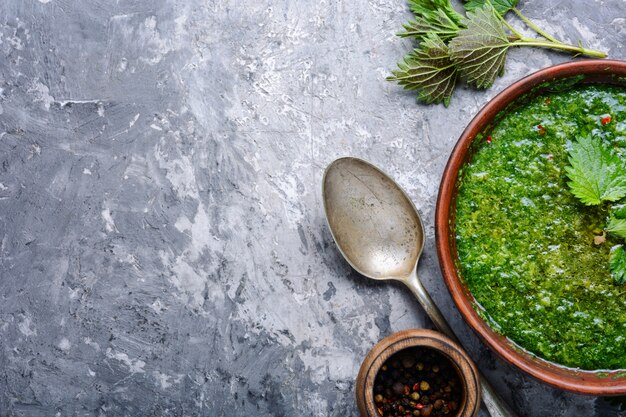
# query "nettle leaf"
(617, 264)
(438, 23)
(501, 6)
(619, 211)
(424, 7)
(597, 174)
(480, 49)
(429, 70)
(617, 227)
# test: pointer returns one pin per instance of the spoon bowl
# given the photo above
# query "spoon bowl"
(380, 233)
(374, 223)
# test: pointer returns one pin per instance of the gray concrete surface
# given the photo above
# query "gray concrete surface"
(163, 249)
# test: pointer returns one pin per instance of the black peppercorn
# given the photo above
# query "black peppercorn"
(417, 382)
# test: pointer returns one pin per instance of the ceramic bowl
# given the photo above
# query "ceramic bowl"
(585, 382)
(412, 338)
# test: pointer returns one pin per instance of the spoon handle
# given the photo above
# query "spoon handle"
(495, 405)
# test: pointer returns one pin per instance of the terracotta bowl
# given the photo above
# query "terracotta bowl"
(412, 338)
(582, 72)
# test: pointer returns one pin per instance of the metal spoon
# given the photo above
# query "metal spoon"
(381, 235)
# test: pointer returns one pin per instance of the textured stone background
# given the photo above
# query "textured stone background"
(163, 249)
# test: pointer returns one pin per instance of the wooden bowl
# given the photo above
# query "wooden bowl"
(412, 338)
(584, 382)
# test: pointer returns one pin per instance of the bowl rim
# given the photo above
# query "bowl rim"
(600, 382)
(394, 343)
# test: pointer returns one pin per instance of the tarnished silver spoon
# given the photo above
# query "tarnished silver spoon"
(380, 233)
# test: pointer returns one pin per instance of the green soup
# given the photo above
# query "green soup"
(526, 244)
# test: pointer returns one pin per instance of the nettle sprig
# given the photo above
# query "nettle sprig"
(598, 176)
(472, 48)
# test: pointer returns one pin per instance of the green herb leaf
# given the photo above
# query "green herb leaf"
(501, 6)
(477, 44)
(425, 7)
(480, 49)
(617, 227)
(429, 70)
(597, 174)
(617, 264)
(438, 23)
(619, 211)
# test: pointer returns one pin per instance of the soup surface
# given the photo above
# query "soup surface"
(526, 244)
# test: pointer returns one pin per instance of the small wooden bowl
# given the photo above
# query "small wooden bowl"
(417, 338)
(599, 382)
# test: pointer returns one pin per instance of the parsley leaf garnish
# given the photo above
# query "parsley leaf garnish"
(597, 174)
(617, 264)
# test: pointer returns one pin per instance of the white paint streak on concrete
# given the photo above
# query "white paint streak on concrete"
(589, 39)
(333, 363)
(41, 94)
(290, 197)
(183, 224)
(109, 224)
(132, 260)
(135, 366)
(156, 46)
(163, 380)
(91, 343)
(198, 230)
(64, 103)
(132, 122)
(26, 327)
(188, 281)
(619, 24)
(157, 306)
(64, 344)
(179, 171)
(74, 293)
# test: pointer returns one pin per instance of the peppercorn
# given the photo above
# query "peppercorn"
(408, 361)
(417, 382)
